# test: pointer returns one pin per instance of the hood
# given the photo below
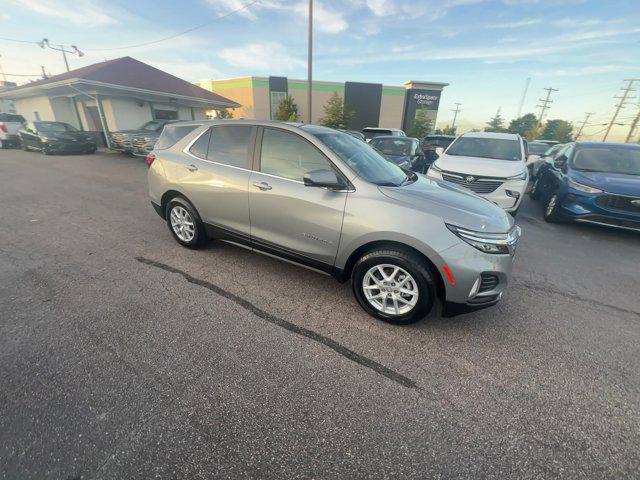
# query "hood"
(69, 136)
(455, 205)
(483, 167)
(609, 182)
(132, 132)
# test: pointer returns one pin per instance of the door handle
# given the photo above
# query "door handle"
(191, 168)
(262, 186)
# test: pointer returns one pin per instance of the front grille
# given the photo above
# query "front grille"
(488, 281)
(139, 143)
(120, 139)
(482, 185)
(619, 202)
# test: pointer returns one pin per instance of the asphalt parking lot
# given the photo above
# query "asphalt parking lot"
(124, 355)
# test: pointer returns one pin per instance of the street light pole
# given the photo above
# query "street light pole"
(309, 59)
(60, 48)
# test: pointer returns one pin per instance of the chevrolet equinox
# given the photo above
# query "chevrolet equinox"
(323, 199)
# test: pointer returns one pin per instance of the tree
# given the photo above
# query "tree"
(448, 130)
(223, 113)
(526, 126)
(558, 130)
(287, 110)
(496, 124)
(421, 126)
(335, 116)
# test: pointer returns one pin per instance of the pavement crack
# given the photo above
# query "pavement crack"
(292, 327)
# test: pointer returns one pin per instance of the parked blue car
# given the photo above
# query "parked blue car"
(593, 183)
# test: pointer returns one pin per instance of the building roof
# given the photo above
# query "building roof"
(131, 73)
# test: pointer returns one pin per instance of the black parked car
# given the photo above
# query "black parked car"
(55, 137)
(403, 151)
(121, 141)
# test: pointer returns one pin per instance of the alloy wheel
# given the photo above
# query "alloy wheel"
(390, 289)
(182, 223)
(551, 205)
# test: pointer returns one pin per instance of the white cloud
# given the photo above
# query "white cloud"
(324, 19)
(266, 57)
(381, 8)
(83, 12)
(431, 9)
(516, 24)
(593, 70)
(594, 34)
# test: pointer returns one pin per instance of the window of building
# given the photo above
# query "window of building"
(288, 155)
(160, 114)
(230, 146)
(201, 145)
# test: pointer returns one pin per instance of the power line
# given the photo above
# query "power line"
(623, 100)
(545, 103)
(16, 40)
(153, 42)
(21, 75)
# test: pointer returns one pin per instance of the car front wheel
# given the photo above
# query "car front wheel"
(394, 285)
(184, 223)
(551, 213)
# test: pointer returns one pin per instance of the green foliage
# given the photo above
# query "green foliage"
(287, 110)
(223, 113)
(421, 126)
(448, 130)
(335, 115)
(526, 126)
(496, 124)
(558, 130)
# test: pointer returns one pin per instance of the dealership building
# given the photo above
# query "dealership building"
(373, 104)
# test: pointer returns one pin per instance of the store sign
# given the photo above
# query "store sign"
(427, 100)
(420, 103)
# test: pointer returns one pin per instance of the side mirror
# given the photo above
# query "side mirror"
(324, 179)
(560, 162)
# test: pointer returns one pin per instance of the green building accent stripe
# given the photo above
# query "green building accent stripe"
(239, 83)
(393, 91)
(321, 87)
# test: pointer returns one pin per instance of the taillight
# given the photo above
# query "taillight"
(3, 128)
(150, 158)
(426, 148)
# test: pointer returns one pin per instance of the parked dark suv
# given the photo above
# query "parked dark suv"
(121, 141)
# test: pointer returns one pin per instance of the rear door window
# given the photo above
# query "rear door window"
(201, 145)
(231, 145)
(171, 135)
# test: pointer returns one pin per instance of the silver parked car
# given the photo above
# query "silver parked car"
(323, 199)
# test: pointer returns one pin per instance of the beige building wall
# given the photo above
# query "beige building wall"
(322, 92)
(63, 111)
(391, 107)
(28, 107)
(240, 90)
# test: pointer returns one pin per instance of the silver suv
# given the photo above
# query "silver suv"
(323, 199)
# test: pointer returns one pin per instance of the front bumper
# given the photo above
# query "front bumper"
(587, 208)
(69, 147)
(475, 279)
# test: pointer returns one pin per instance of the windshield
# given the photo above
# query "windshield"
(152, 126)
(11, 118)
(54, 127)
(495, 148)
(364, 160)
(369, 134)
(538, 148)
(393, 146)
(609, 160)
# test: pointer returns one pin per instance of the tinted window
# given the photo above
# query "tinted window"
(538, 148)
(200, 146)
(369, 134)
(608, 159)
(10, 117)
(363, 159)
(498, 148)
(54, 127)
(230, 146)
(393, 146)
(290, 156)
(165, 114)
(171, 134)
(152, 126)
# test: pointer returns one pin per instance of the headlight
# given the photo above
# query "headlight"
(495, 243)
(583, 188)
(434, 172)
(435, 168)
(520, 176)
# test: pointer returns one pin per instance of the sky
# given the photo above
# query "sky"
(485, 49)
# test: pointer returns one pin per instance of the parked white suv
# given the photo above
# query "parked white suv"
(10, 123)
(489, 164)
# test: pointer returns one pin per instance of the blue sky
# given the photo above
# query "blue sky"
(484, 48)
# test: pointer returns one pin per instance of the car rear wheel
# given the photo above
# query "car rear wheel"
(394, 285)
(184, 223)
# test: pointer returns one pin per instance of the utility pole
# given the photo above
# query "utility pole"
(44, 74)
(309, 58)
(455, 116)
(2, 71)
(524, 96)
(545, 103)
(584, 123)
(623, 99)
(634, 124)
(60, 48)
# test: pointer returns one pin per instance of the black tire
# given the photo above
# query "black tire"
(414, 266)
(534, 193)
(199, 234)
(551, 213)
(25, 147)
